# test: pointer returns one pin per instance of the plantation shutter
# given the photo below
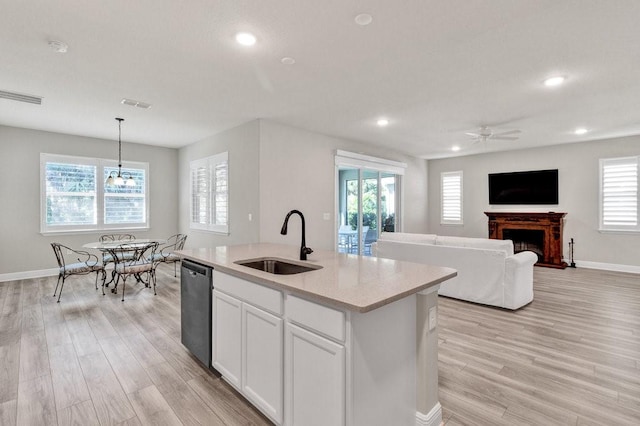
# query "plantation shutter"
(619, 193)
(451, 193)
(210, 193)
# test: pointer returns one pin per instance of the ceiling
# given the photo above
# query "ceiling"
(435, 69)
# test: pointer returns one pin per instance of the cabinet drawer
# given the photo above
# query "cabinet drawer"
(322, 319)
(256, 294)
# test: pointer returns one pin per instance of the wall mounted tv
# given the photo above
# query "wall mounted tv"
(532, 187)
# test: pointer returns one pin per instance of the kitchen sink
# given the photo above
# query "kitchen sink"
(277, 266)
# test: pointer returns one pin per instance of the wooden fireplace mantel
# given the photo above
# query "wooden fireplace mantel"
(549, 223)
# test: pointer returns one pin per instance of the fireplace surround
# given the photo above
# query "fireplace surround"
(540, 233)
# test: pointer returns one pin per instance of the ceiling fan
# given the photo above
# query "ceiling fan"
(485, 133)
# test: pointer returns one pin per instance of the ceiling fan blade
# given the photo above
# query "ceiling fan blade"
(475, 135)
(508, 132)
(505, 138)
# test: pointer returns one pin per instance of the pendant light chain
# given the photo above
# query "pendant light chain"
(119, 180)
(120, 120)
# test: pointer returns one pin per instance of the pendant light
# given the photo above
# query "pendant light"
(119, 180)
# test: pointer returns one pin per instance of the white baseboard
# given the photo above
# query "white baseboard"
(13, 276)
(607, 266)
(433, 418)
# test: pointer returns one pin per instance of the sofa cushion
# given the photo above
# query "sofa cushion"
(408, 237)
(479, 243)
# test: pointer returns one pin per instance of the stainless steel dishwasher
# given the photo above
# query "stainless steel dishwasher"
(195, 294)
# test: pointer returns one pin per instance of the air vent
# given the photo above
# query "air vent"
(138, 104)
(21, 97)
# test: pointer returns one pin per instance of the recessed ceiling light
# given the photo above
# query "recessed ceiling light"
(580, 131)
(246, 39)
(455, 148)
(382, 122)
(58, 46)
(554, 81)
(363, 19)
(288, 61)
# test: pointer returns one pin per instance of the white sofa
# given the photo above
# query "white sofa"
(488, 270)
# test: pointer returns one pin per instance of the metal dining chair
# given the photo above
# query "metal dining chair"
(84, 263)
(134, 259)
(166, 254)
(106, 257)
(117, 237)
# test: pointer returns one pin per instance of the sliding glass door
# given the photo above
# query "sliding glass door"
(367, 205)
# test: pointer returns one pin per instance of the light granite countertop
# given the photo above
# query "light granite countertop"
(346, 281)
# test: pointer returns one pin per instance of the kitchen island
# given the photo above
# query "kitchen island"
(353, 342)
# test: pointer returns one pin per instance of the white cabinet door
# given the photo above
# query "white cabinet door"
(227, 340)
(262, 363)
(315, 379)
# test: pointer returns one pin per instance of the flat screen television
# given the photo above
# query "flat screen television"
(531, 187)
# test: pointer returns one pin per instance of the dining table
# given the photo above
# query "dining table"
(105, 246)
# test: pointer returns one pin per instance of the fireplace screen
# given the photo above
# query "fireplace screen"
(526, 239)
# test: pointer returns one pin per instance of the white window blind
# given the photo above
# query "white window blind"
(210, 193)
(70, 194)
(619, 194)
(451, 198)
(125, 204)
(74, 196)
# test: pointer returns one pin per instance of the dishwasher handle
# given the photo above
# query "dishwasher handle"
(196, 269)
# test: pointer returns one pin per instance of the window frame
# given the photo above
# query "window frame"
(618, 228)
(211, 163)
(459, 174)
(100, 164)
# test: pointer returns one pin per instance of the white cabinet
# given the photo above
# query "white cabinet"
(315, 379)
(226, 340)
(248, 341)
(305, 363)
(262, 370)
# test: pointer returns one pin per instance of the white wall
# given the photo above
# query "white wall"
(272, 169)
(22, 247)
(242, 143)
(297, 171)
(578, 171)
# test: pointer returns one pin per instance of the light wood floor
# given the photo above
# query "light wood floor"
(571, 357)
(94, 360)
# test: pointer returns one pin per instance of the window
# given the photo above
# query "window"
(451, 202)
(619, 194)
(124, 204)
(210, 193)
(74, 196)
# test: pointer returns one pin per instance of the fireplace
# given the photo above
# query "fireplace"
(540, 233)
(526, 239)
